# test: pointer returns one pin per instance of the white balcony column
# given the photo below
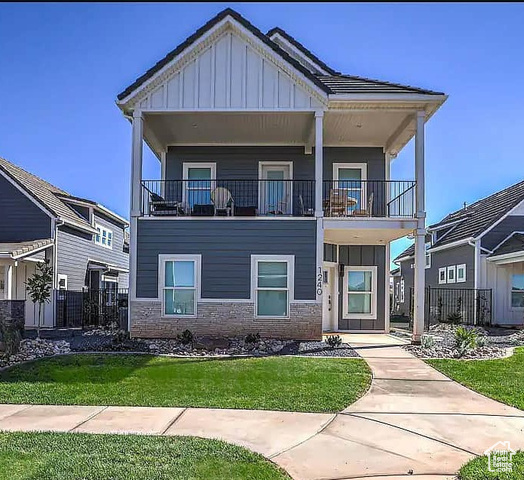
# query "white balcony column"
(8, 282)
(420, 232)
(319, 161)
(136, 200)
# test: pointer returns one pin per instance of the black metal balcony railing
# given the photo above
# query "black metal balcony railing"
(340, 198)
(228, 197)
(368, 198)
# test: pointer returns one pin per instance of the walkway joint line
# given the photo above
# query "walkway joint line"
(90, 417)
(172, 422)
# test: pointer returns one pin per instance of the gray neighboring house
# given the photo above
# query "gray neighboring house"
(85, 242)
(480, 246)
(275, 207)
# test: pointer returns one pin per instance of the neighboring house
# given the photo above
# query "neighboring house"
(275, 207)
(83, 240)
(480, 246)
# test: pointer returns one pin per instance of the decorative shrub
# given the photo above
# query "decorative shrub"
(252, 338)
(185, 338)
(334, 341)
(427, 341)
(454, 317)
(466, 339)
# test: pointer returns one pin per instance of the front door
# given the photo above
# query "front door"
(275, 189)
(329, 300)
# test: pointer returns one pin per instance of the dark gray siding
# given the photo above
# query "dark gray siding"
(364, 255)
(226, 248)
(76, 247)
(407, 274)
(373, 157)
(20, 219)
(513, 223)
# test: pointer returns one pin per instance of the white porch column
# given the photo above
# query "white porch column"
(319, 213)
(420, 232)
(136, 198)
(8, 282)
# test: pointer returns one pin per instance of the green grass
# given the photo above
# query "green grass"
(501, 379)
(75, 456)
(274, 383)
(477, 469)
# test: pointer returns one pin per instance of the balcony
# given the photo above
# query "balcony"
(228, 198)
(368, 198)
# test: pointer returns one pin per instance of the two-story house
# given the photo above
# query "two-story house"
(474, 252)
(83, 241)
(275, 207)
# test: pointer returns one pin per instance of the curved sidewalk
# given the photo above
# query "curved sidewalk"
(414, 422)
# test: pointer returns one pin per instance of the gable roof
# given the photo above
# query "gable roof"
(23, 249)
(335, 83)
(50, 198)
(473, 220)
(513, 244)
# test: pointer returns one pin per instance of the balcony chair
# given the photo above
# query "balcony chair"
(223, 202)
(160, 206)
(309, 212)
(339, 201)
(365, 212)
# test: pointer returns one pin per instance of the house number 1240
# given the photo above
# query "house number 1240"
(319, 281)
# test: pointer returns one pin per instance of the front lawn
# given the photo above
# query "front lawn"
(76, 456)
(274, 383)
(501, 379)
(477, 469)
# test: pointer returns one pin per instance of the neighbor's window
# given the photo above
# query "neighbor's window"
(179, 285)
(461, 273)
(428, 255)
(517, 290)
(103, 236)
(360, 297)
(451, 274)
(442, 275)
(402, 290)
(273, 286)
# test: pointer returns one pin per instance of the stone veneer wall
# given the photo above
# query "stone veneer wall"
(227, 319)
(12, 316)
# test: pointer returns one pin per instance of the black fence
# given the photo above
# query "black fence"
(466, 306)
(228, 197)
(368, 198)
(91, 308)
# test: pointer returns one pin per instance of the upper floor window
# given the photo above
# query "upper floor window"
(103, 236)
(199, 180)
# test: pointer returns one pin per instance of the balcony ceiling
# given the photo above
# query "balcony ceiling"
(373, 128)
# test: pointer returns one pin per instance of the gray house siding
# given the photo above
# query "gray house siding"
(76, 248)
(373, 157)
(512, 223)
(20, 219)
(364, 255)
(226, 248)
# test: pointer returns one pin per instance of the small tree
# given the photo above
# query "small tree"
(39, 288)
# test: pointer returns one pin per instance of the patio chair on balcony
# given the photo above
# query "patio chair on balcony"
(339, 201)
(160, 206)
(223, 202)
(368, 212)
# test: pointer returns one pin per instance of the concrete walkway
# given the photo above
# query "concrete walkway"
(413, 423)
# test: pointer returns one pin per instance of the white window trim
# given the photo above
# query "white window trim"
(62, 277)
(185, 175)
(402, 295)
(428, 264)
(108, 231)
(290, 260)
(462, 267)
(368, 316)
(261, 166)
(162, 259)
(452, 268)
(363, 167)
(442, 270)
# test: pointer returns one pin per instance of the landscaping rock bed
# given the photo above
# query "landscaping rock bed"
(31, 349)
(318, 349)
(440, 342)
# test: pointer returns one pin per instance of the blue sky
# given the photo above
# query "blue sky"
(62, 66)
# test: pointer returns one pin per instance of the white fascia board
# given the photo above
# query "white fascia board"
(77, 225)
(507, 214)
(239, 28)
(110, 213)
(402, 259)
(507, 258)
(451, 245)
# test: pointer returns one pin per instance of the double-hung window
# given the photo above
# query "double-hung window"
(360, 292)
(451, 274)
(199, 182)
(273, 281)
(517, 290)
(179, 284)
(103, 236)
(461, 273)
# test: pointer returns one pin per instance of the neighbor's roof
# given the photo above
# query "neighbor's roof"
(22, 249)
(476, 218)
(51, 198)
(334, 83)
(513, 244)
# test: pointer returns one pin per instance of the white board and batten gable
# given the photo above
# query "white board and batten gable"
(227, 69)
